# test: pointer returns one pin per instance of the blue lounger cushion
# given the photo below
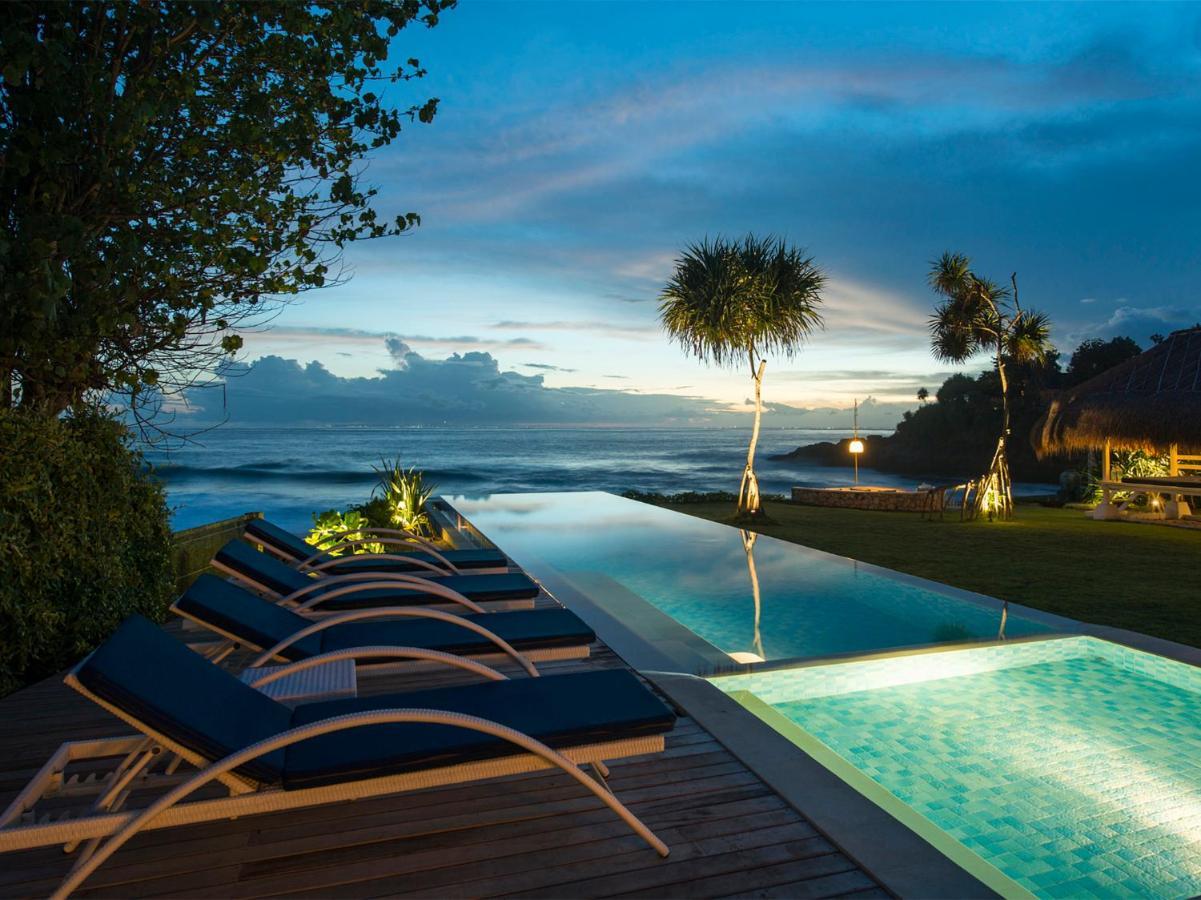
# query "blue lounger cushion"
(292, 546)
(156, 680)
(233, 610)
(559, 710)
(243, 560)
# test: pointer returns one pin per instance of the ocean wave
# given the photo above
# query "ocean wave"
(172, 473)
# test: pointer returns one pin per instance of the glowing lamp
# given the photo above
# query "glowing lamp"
(856, 445)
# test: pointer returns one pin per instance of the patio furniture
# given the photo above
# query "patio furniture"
(269, 758)
(422, 556)
(279, 581)
(334, 680)
(245, 620)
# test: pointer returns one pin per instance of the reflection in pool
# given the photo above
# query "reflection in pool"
(744, 594)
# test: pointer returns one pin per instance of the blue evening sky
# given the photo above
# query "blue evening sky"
(578, 146)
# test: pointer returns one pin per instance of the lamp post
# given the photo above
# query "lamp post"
(856, 445)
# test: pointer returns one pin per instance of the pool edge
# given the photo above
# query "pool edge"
(900, 858)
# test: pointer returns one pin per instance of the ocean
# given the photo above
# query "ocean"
(290, 473)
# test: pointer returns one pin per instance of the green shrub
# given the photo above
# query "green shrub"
(84, 540)
(332, 527)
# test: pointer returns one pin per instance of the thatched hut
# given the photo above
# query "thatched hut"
(1151, 402)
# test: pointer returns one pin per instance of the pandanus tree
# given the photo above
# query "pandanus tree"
(733, 302)
(978, 315)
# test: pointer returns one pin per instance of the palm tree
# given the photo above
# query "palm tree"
(979, 315)
(730, 302)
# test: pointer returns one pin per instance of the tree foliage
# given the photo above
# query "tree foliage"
(171, 170)
(729, 302)
(1095, 356)
(84, 535)
(979, 315)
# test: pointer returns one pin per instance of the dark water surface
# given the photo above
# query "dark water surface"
(290, 473)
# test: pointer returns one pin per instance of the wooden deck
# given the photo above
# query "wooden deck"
(535, 835)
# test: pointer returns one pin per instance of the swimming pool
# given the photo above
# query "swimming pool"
(772, 601)
(1067, 767)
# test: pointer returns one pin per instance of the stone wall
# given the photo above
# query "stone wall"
(890, 501)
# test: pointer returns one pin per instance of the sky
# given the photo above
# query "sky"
(579, 146)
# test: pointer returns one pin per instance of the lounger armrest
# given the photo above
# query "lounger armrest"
(387, 613)
(390, 532)
(308, 563)
(419, 653)
(80, 873)
(397, 580)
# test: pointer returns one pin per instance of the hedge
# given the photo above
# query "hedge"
(84, 540)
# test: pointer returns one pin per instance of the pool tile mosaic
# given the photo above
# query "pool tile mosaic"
(1073, 766)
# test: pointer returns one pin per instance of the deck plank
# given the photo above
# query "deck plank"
(537, 834)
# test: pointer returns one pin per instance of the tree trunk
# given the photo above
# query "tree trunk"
(995, 497)
(748, 492)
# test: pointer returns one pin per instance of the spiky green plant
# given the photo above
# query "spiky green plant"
(406, 492)
(979, 315)
(731, 302)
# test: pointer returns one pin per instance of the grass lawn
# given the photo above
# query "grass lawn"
(1143, 577)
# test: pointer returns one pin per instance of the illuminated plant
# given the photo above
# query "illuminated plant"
(731, 302)
(405, 491)
(333, 527)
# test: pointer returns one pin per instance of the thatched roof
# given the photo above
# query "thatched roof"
(1146, 403)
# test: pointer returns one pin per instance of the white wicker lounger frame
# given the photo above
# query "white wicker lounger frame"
(231, 643)
(250, 798)
(305, 564)
(366, 581)
(314, 563)
(406, 537)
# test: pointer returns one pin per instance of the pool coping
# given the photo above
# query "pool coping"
(903, 861)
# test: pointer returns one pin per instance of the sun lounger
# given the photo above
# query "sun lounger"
(333, 593)
(422, 556)
(280, 634)
(270, 758)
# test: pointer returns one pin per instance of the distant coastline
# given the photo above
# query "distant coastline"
(884, 453)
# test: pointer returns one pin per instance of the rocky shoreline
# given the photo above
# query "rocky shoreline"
(886, 454)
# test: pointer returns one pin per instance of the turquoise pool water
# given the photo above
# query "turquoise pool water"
(1068, 767)
(810, 604)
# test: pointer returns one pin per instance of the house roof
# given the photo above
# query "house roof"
(1149, 402)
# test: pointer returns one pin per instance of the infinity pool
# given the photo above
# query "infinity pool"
(1068, 767)
(774, 600)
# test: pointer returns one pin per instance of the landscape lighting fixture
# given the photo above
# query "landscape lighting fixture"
(856, 445)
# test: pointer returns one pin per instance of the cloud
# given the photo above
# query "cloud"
(469, 389)
(325, 337)
(1138, 322)
(609, 329)
(547, 367)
